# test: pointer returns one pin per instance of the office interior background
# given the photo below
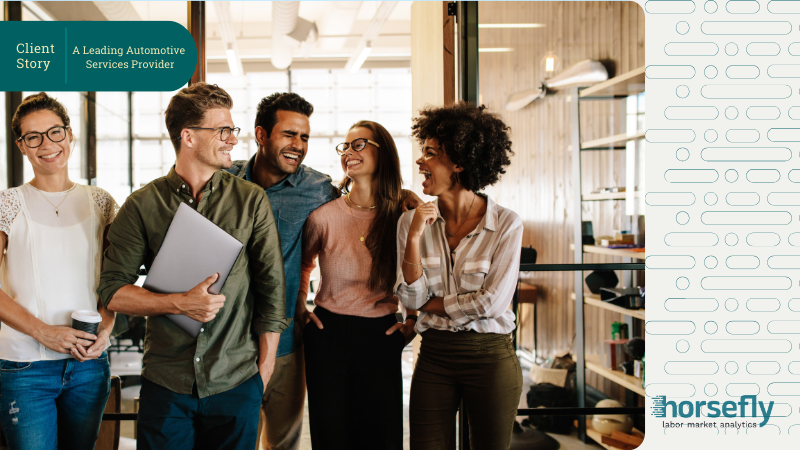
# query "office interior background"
(383, 61)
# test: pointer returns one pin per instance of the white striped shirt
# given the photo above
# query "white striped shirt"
(477, 279)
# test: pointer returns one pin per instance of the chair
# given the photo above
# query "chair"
(109, 429)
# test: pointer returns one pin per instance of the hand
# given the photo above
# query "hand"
(305, 316)
(265, 370)
(198, 304)
(410, 201)
(425, 214)
(63, 339)
(82, 353)
(406, 328)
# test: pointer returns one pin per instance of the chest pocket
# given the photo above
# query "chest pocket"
(432, 267)
(473, 273)
(293, 218)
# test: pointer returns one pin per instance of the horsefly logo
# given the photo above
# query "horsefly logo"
(712, 409)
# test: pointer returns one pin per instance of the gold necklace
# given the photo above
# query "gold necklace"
(354, 217)
(55, 207)
(357, 205)
(465, 219)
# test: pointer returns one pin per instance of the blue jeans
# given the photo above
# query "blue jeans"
(224, 421)
(46, 405)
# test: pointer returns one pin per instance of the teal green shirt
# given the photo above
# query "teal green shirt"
(225, 353)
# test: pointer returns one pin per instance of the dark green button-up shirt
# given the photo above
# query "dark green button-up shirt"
(226, 351)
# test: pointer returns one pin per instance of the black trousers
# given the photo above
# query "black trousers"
(355, 383)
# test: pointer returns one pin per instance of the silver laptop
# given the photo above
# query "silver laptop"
(193, 249)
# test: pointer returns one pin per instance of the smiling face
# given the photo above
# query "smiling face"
(211, 151)
(363, 163)
(437, 168)
(50, 157)
(287, 144)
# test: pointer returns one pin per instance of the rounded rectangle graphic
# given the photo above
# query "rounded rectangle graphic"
(742, 6)
(763, 49)
(762, 283)
(669, 198)
(783, 389)
(763, 304)
(763, 367)
(783, 7)
(742, 262)
(763, 113)
(669, 6)
(742, 72)
(794, 49)
(669, 262)
(742, 327)
(691, 304)
(746, 218)
(746, 154)
(742, 198)
(669, 327)
(794, 367)
(746, 91)
(691, 49)
(784, 134)
(763, 175)
(784, 262)
(784, 327)
(794, 113)
(794, 176)
(740, 389)
(746, 28)
(794, 239)
(763, 239)
(691, 175)
(742, 136)
(670, 72)
(784, 198)
(794, 305)
(784, 71)
(691, 113)
(746, 346)
(691, 367)
(669, 136)
(691, 239)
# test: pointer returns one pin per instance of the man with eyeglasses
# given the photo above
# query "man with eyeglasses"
(204, 392)
(282, 131)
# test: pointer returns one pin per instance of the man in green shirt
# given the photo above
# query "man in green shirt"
(202, 392)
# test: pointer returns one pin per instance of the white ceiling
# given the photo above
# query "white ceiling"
(340, 25)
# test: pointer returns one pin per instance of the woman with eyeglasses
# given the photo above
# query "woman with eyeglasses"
(54, 380)
(459, 264)
(354, 342)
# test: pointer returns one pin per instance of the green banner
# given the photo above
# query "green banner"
(95, 56)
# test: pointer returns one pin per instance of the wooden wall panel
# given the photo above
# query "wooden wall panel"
(538, 184)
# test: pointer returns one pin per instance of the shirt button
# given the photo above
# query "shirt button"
(197, 359)
(191, 201)
(202, 329)
(183, 185)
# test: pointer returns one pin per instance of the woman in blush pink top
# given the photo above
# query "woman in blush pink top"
(353, 346)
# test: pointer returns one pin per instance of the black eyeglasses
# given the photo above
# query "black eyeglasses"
(224, 132)
(35, 139)
(357, 145)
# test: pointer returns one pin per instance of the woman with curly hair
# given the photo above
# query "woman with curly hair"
(54, 380)
(457, 260)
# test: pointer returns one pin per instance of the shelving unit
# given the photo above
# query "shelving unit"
(622, 86)
(597, 437)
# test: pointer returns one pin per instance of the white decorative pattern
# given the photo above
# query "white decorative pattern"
(10, 206)
(105, 202)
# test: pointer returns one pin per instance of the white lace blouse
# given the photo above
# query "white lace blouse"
(53, 258)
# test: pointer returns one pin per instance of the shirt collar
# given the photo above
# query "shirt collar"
(489, 221)
(176, 183)
(247, 170)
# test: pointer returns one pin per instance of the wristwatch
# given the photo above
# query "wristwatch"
(412, 317)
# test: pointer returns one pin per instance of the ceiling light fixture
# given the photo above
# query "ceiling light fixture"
(230, 55)
(361, 58)
(511, 25)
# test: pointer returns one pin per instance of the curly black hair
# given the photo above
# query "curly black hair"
(473, 139)
(268, 107)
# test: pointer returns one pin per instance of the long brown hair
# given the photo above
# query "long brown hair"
(382, 235)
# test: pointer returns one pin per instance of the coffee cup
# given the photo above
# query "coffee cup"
(86, 320)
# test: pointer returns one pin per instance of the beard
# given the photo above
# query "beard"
(275, 155)
(210, 158)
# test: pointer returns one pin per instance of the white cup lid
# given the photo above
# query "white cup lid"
(87, 316)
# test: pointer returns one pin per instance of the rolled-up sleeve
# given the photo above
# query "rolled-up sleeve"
(125, 254)
(267, 280)
(493, 299)
(413, 295)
